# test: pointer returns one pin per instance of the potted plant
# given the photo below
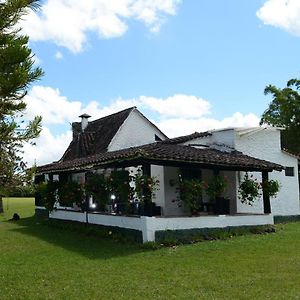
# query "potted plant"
(122, 191)
(271, 187)
(215, 189)
(69, 193)
(190, 193)
(48, 194)
(145, 186)
(249, 189)
(97, 186)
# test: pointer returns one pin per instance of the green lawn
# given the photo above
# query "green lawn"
(39, 262)
(24, 207)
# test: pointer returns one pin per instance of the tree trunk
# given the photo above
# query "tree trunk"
(1, 205)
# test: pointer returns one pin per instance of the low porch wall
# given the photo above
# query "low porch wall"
(149, 225)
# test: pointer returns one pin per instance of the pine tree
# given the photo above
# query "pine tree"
(16, 74)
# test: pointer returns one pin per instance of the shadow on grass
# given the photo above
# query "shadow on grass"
(84, 240)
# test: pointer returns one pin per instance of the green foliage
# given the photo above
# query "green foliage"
(102, 187)
(190, 192)
(284, 111)
(97, 186)
(271, 187)
(49, 193)
(69, 193)
(145, 187)
(216, 187)
(249, 189)
(16, 74)
(119, 185)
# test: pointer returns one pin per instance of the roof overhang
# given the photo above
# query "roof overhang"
(167, 155)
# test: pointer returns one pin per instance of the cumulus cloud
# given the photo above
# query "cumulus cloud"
(175, 115)
(57, 109)
(180, 126)
(284, 14)
(53, 107)
(48, 148)
(67, 22)
(177, 105)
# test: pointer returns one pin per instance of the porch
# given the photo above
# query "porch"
(167, 164)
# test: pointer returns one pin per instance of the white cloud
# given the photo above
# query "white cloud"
(58, 55)
(187, 106)
(284, 14)
(181, 126)
(66, 22)
(48, 147)
(175, 115)
(54, 108)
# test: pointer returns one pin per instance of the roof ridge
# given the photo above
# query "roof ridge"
(184, 138)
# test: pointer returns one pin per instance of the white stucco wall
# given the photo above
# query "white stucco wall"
(171, 207)
(159, 196)
(265, 144)
(135, 131)
(149, 225)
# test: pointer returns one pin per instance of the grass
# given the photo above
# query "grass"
(23, 206)
(41, 262)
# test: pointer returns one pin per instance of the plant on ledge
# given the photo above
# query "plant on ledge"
(48, 193)
(190, 193)
(70, 192)
(216, 187)
(97, 186)
(145, 186)
(271, 187)
(121, 189)
(249, 190)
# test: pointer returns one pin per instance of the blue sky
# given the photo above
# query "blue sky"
(187, 65)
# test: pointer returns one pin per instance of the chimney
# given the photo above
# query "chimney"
(84, 121)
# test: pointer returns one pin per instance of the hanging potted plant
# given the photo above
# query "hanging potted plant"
(271, 187)
(249, 190)
(215, 189)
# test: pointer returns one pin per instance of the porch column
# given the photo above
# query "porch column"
(266, 197)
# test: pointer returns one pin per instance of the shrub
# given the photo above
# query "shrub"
(190, 192)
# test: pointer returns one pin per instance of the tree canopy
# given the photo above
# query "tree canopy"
(17, 72)
(284, 111)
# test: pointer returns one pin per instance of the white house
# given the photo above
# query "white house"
(127, 140)
(262, 143)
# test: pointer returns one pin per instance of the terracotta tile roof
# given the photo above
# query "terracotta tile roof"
(185, 138)
(96, 137)
(166, 153)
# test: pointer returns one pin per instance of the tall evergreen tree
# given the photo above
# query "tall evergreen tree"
(284, 111)
(16, 74)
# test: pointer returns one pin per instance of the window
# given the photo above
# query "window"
(289, 171)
